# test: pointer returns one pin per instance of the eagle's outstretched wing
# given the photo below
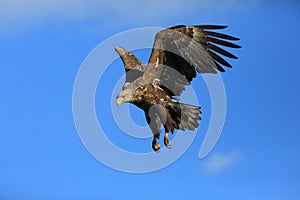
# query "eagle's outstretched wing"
(134, 68)
(180, 51)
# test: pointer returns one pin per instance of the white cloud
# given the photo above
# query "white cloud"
(21, 13)
(220, 161)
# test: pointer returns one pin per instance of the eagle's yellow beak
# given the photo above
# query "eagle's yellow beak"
(120, 100)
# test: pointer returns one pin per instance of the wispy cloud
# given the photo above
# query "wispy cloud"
(19, 13)
(219, 161)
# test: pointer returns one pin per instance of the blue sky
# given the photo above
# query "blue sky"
(42, 46)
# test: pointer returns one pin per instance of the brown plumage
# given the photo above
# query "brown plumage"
(177, 55)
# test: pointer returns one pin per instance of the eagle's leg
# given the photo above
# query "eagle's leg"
(154, 124)
(166, 139)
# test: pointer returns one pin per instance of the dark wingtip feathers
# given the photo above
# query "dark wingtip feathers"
(221, 51)
(219, 59)
(217, 38)
(212, 26)
(220, 35)
(221, 69)
(222, 42)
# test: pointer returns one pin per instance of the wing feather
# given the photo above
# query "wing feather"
(220, 51)
(219, 67)
(219, 59)
(220, 35)
(134, 68)
(181, 51)
(222, 42)
(211, 26)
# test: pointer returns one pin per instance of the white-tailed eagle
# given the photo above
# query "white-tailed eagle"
(178, 53)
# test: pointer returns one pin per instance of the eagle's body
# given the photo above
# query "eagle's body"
(178, 54)
(148, 95)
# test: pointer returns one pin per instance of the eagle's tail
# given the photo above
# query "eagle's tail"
(184, 116)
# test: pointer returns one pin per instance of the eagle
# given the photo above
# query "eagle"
(178, 54)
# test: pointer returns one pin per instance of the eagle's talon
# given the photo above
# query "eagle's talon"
(167, 141)
(167, 144)
(155, 146)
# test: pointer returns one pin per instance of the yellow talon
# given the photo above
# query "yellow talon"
(167, 141)
(155, 145)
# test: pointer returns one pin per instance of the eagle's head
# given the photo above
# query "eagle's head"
(124, 96)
